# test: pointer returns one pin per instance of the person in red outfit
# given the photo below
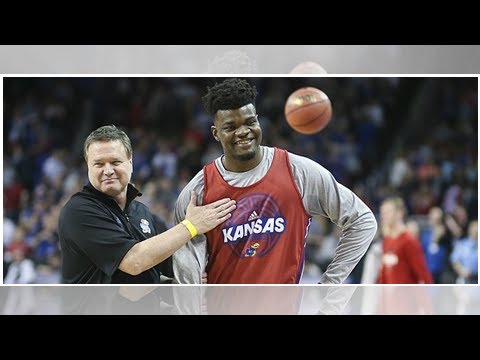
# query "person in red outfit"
(403, 261)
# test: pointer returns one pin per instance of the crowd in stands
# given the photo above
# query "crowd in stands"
(413, 137)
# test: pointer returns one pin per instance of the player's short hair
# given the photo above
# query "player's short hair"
(108, 133)
(230, 94)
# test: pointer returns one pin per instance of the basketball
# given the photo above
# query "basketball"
(308, 110)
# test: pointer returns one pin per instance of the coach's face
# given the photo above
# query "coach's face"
(240, 134)
(109, 168)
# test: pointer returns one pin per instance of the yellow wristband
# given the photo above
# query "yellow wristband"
(191, 229)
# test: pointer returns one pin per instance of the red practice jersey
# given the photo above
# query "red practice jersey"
(264, 240)
(403, 261)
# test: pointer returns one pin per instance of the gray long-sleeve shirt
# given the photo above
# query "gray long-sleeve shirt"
(321, 195)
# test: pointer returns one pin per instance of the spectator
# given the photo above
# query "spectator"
(403, 261)
(464, 256)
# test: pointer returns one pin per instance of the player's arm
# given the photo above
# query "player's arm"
(372, 264)
(190, 261)
(148, 253)
(323, 195)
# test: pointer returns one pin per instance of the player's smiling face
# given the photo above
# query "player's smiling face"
(240, 134)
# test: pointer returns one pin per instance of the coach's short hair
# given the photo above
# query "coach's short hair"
(108, 133)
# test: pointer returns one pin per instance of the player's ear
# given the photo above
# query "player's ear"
(214, 131)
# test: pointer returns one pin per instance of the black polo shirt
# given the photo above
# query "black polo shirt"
(95, 234)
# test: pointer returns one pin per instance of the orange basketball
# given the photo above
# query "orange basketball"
(308, 110)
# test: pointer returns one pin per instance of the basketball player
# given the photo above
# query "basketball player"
(276, 192)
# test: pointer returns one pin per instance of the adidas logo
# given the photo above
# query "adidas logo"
(253, 216)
